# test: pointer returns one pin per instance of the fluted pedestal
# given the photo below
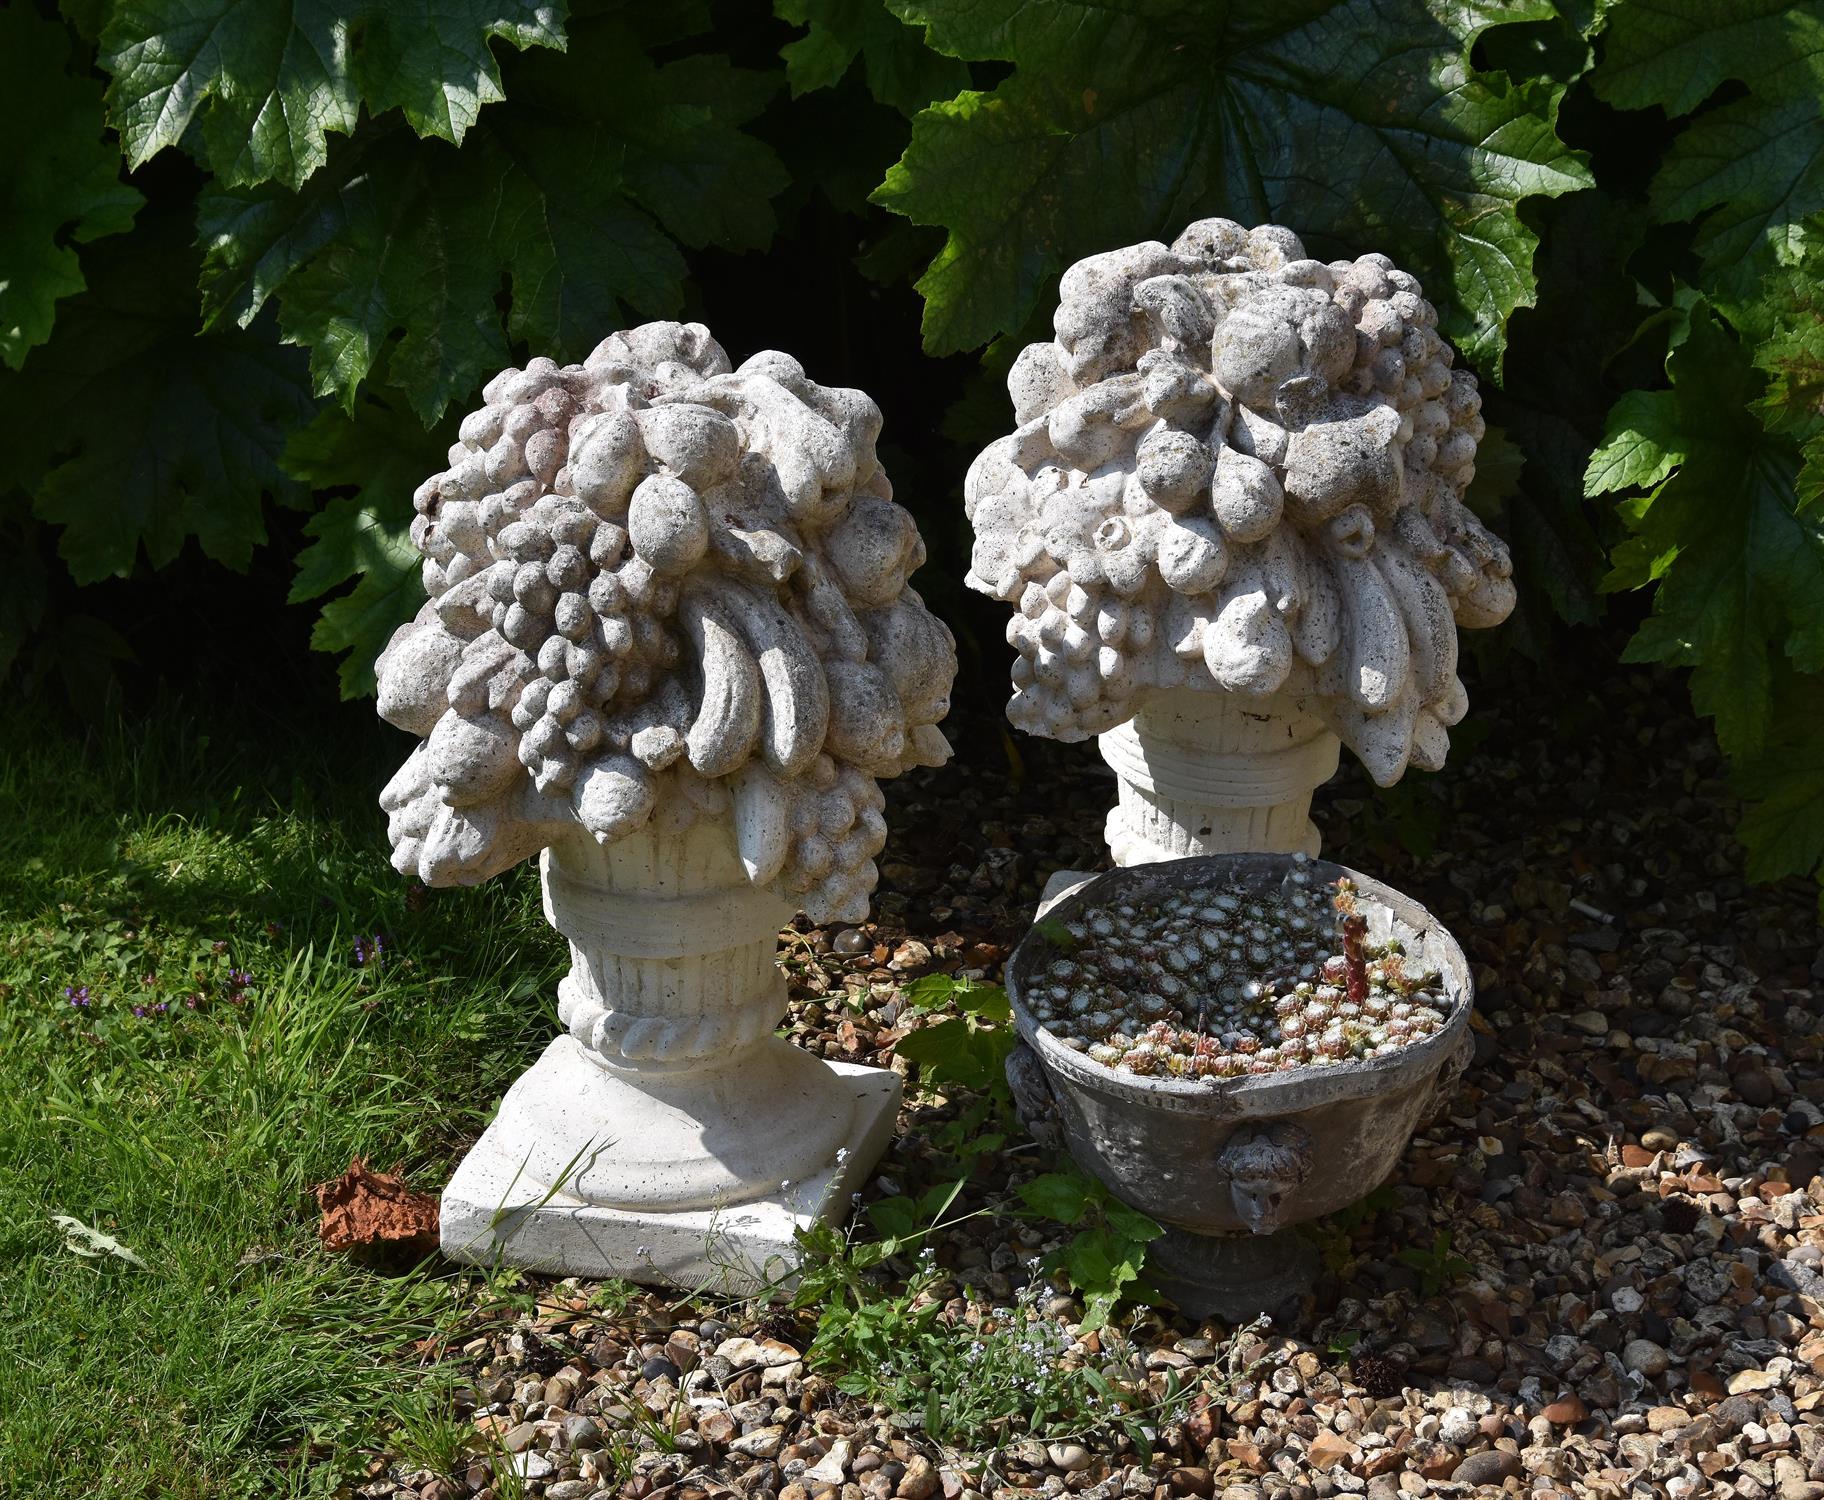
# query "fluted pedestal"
(669, 1136)
(1212, 773)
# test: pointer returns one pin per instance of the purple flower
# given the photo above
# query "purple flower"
(140, 1011)
(162, 1007)
(370, 950)
(239, 979)
(192, 1002)
(77, 995)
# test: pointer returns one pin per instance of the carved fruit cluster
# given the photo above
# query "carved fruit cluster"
(661, 589)
(1240, 466)
(1226, 982)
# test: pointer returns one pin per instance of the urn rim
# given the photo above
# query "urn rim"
(1270, 1094)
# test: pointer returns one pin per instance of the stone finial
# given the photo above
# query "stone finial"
(663, 590)
(1240, 469)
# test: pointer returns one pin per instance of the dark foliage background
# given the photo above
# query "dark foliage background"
(257, 258)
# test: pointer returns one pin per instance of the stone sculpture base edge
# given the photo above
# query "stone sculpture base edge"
(491, 1213)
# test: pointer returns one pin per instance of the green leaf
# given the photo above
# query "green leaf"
(1791, 308)
(931, 992)
(136, 432)
(895, 1218)
(1783, 827)
(60, 180)
(254, 88)
(935, 1201)
(1100, 1263)
(956, 1050)
(400, 259)
(433, 60)
(1643, 444)
(1739, 563)
(1752, 167)
(1056, 1195)
(901, 71)
(377, 457)
(1363, 126)
(1130, 1223)
(571, 197)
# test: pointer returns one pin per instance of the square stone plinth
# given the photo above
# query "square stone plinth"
(491, 1214)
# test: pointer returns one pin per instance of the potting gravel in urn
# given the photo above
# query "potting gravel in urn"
(1231, 523)
(670, 648)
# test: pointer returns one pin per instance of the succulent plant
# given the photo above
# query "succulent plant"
(1231, 981)
(663, 589)
(1243, 468)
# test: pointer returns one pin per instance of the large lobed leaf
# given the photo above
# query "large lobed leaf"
(901, 71)
(573, 197)
(1360, 123)
(254, 88)
(58, 178)
(134, 432)
(1752, 168)
(1783, 827)
(1738, 560)
(376, 456)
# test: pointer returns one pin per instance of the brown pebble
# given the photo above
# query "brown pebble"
(1566, 1412)
(1487, 1468)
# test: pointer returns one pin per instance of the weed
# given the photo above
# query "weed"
(1439, 1266)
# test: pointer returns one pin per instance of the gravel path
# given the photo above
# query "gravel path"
(1629, 1170)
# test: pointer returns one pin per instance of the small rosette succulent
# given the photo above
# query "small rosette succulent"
(662, 589)
(1243, 469)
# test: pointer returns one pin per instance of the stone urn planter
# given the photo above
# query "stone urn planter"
(1231, 526)
(1232, 1165)
(670, 648)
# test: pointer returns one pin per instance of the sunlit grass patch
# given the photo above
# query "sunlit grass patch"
(197, 1025)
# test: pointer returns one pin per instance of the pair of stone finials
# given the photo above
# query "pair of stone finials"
(664, 589)
(671, 642)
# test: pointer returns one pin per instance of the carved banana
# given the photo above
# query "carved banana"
(1281, 563)
(1318, 628)
(1382, 741)
(1431, 632)
(727, 722)
(1380, 661)
(830, 611)
(795, 714)
(763, 809)
(1430, 742)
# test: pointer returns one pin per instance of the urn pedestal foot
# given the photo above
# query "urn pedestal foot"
(1234, 1277)
(496, 1209)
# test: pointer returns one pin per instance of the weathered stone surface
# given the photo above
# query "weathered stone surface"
(1241, 471)
(670, 643)
(658, 584)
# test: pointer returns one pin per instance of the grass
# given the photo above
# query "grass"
(156, 868)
